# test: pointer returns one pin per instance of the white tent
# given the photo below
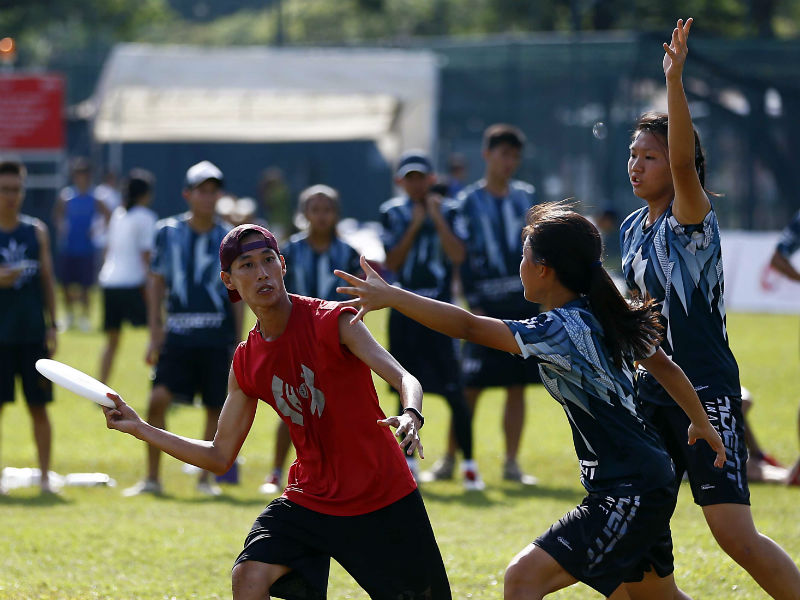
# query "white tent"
(152, 93)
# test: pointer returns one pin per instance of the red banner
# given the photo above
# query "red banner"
(31, 112)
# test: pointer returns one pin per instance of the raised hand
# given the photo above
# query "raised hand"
(676, 51)
(371, 292)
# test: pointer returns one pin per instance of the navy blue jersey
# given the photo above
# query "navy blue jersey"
(493, 226)
(790, 237)
(426, 270)
(198, 310)
(309, 273)
(619, 454)
(79, 213)
(680, 267)
(22, 304)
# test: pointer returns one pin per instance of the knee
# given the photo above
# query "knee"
(160, 400)
(518, 584)
(740, 545)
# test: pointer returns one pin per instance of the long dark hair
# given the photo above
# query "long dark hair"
(139, 183)
(569, 244)
(658, 124)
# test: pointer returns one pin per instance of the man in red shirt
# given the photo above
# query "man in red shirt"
(350, 485)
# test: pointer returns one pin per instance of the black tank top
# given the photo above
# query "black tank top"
(22, 304)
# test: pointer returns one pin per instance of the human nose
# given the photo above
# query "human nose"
(634, 164)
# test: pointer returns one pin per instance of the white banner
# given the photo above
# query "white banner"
(751, 285)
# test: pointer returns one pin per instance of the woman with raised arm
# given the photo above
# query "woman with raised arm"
(671, 254)
(585, 343)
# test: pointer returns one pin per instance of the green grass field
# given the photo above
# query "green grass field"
(93, 543)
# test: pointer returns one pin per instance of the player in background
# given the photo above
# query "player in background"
(28, 309)
(422, 250)
(192, 350)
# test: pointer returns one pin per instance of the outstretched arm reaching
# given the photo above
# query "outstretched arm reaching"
(373, 293)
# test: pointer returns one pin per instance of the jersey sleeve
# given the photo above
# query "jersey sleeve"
(455, 219)
(240, 370)
(328, 326)
(790, 238)
(159, 261)
(695, 237)
(394, 227)
(542, 337)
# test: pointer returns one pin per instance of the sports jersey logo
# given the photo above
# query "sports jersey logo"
(288, 402)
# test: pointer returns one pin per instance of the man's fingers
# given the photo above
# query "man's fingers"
(359, 316)
(346, 276)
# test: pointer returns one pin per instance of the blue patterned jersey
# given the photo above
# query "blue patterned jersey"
(198, 310)
(426, 270)
(309, 273)
(618, 452)
(680, 267)
(493, 226)
(790, 237)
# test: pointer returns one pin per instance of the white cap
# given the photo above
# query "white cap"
(202, 171)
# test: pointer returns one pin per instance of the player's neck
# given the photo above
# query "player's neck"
(496, 186)
(656, 207)
(320, 241)
(272, 320)
(9, 221)
(201, 223)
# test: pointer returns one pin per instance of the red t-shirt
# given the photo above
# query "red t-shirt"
(346, 463)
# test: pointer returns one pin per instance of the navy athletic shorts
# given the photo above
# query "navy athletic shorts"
(428, 355)
(123, 304)
(20, 359)
(76, 268)
(609, 540)
(387, 561)
(189, 370)
(709, 485)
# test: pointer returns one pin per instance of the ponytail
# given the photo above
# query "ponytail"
(570, 245)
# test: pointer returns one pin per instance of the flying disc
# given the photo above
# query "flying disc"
(76, 381)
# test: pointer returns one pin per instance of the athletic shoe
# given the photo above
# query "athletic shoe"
(147, 486)
(512, 472)
(770, 460)
(442, 469)
(208, 489)
(473, 481)
(271, 486)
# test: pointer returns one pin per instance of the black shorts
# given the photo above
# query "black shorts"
(608, 540)
(388, 561)
(20, 359)
(189, 370)
(484, 367)
(709, 484)
(123, 304)
(428, 355)
(76, 268)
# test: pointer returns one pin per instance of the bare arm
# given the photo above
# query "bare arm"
(48, 284)
(784, 266)
(154, 294)
(101, 207)
(691, 203)
(217, 455)
(674, 381)
(373, 293)
(360, 342)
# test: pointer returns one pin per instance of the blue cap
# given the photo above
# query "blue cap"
(413, 160)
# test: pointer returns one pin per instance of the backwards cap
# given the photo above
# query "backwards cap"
(231, 248)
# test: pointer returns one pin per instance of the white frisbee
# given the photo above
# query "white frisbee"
(76, 381)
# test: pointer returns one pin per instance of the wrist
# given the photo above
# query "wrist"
(415, 414)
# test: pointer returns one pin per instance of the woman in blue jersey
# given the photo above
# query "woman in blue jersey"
(671, 254)
(584, 343)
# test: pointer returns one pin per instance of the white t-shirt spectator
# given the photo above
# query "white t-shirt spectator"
(130, 234)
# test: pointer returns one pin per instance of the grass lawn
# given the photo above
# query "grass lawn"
(93, 543)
